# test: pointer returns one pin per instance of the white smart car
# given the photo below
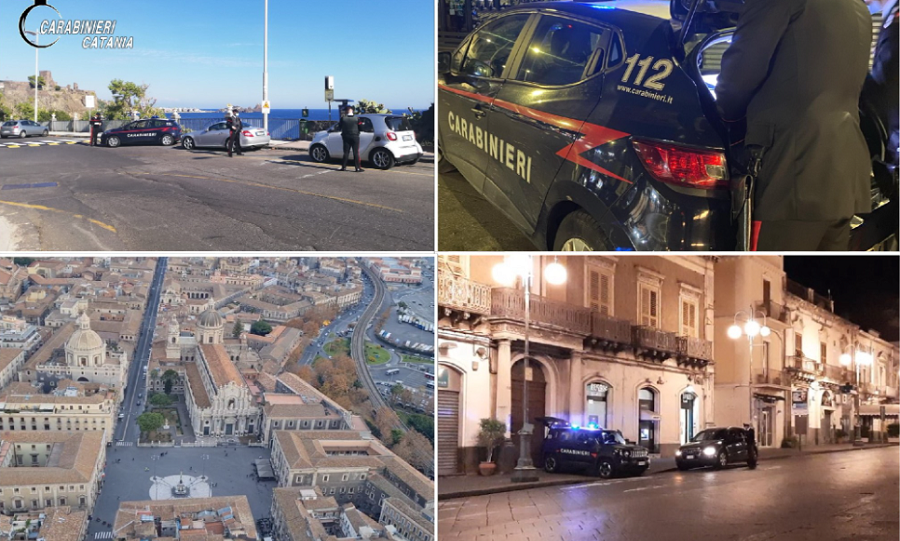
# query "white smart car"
(384, 140)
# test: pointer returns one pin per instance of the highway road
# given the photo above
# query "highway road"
(358, 345)
(136, 380)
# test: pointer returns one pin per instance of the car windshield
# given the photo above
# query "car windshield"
(611, 437)
(711, 434)
(397, 123)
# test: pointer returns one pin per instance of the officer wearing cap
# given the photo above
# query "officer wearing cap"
(795, 70)
(349, 125)
(234, 137)
(96, 123)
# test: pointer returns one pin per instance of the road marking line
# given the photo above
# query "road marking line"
(260, 185)
(34, 144)
(12, 146)
(52, 144)
(50, 209)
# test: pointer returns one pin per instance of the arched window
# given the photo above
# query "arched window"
(596, 404)
(647, 399)
(231, 404)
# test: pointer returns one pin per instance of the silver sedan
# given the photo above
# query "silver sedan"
(216, 135)
(22, 128)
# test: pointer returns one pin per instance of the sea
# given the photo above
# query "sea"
(294, 114)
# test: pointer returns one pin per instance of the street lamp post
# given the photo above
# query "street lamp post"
(751, 329)
(266, 66)
(858, 358)
(36, 72)
(522, 266)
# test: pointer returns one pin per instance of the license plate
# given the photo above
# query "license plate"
(641, 462)
(689, 457)
(407, 137)
(260, 133)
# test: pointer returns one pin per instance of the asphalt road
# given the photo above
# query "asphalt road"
(833, 497)
(468, 222)
(75, 197)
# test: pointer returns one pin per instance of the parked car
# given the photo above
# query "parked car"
(150, 131)
(22, 128)
(216, 135)
(599, 451)
(384, 140)
(593, 126)
(718, 447)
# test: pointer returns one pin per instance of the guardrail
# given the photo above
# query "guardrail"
(458, 293)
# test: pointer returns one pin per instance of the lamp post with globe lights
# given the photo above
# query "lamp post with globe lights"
(857, 359)
(522, 266)
(751, 328)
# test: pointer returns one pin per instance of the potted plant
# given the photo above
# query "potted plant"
(490, 436)
(840, 436)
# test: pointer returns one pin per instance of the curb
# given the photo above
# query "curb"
(562, 482)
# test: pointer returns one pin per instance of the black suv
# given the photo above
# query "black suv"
(602, 452)
(718, 447)
(150, 131)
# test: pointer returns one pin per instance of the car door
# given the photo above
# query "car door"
(737, 445)
(539, 112)
(214, 136)
(366, 136)
(334, 143)
(467, 92)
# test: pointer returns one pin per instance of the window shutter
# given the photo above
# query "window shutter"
(654, 308)
(645, 306)
(594, 291)
(605, 307)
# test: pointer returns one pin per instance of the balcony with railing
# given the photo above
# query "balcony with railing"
(653, 342)
(694, 349)
(809, 295)
(773, 310)
(838, 374)
(609, 332)
(773, 377)
(799, 363)
(458, 293)
(510, 303)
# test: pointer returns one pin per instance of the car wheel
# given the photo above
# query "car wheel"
(188, 143)
(580, 232)
(382, 158)
(683, 467)
(113, 141)
(721, 460)
(605, 469)
(318, 153)
(167, 140)
(23, 134)
(444, 166)
(550, 464)
(46, 133)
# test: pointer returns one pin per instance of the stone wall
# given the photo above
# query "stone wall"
(68, 98)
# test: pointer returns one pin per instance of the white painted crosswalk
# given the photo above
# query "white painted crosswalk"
(124, 443)
(103, 535)
(18, 143)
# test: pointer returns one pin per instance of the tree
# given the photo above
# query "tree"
(402, 305)
(169, 378)
(167, 386)
(260, 328)
(396, 436)
(423, 124)
(237, 329)
(5, 111)
(416, 450)
(306, 373)
(424, 424)
(128, 97)
(366, 106)
(24, 109)
(150, 421)
(41, 82)
(160, 399)
(384, 420)
(23, 261)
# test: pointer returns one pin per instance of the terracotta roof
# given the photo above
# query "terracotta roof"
(296, 518)
(411, 513)
(63, 524)
(220, 366)
(56, 341)
(295, 411)
(8, 355)
(128, 517)
(307, 449)
(195, 381)
(74, 461)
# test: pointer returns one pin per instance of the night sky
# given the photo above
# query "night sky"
(865, 289)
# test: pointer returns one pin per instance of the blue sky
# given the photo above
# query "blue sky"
(204, 53)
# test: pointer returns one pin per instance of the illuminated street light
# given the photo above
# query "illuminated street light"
(751, 329)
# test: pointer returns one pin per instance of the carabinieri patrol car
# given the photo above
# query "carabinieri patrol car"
(601, 452)
(151, 131)
(593, 125)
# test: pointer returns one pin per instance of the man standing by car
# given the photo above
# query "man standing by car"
(883, 86)
(349, 125)
(234, 137)
(96, 124)
(795, 69)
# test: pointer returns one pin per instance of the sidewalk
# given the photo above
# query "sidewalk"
(464, 486)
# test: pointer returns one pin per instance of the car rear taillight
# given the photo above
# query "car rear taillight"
(247, 133)
(683, 166)
(392, 136)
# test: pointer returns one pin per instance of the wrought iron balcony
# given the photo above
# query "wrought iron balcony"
(773, 377)
(838, 374)
(690, 347)
(799, 363)
(773, 310)
(510, 303)
(609, 332)
(652, 342)
(458, 293)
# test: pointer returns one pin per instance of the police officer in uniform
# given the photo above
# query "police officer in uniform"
(883, 86)
(96, 124)
(234, 138)
(795, 70)
(349, 125)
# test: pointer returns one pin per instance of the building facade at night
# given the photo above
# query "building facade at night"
(640, 344)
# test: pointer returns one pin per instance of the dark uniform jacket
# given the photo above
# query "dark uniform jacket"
(349, 126)
(795, 68)
(236, 123)
(882, 88)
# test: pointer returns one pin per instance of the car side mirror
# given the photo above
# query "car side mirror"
(443, 63)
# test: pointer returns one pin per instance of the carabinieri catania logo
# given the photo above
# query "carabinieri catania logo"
(98, 34)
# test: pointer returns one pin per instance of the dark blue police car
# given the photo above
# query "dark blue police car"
(151, 131)
(593, 125)
(598, 451)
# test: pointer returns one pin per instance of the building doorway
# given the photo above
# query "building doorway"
(595, 407)
(449, 383)
(537, 386)
(229, 429)
(648, 425)
(688, 403)
(766, 429)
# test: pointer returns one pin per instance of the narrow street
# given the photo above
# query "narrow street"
(834, 496)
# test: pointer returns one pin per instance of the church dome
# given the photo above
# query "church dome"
(84, 339)
(210, 319)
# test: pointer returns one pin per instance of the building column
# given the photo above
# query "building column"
(504, 382)
(576, 390)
